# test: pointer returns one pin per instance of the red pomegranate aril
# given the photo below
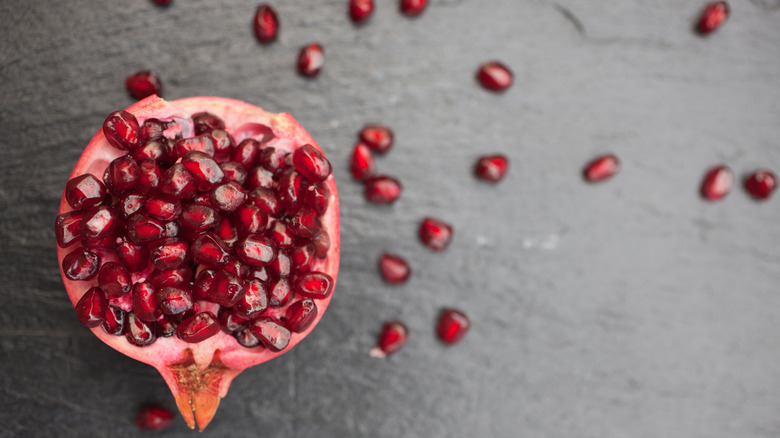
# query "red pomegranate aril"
(259, 176)
(203, 198)
(495, 76)
(91, 308)
(316, 285)
(210, 250)
(305, 222)
(491, 168)
(99, 222)
(179, 276)
(138, 332)
(247, 153)
(362, 163)
(378, 138)
(165, 328)
(271, 333)
(129, 204)
(162, 207)
(712, 17)
(143, 84)
(199, 217)
(145, 303)
(206, 122)
(170, 253)
(203, 168)
(198, 327)
(413, 8)
(178, 182)
(282, 265)
(321, 244)
(265, 200)
(301, 257)
(254, 301)
(237, 267)
(234, 172)
(256, 250)
(392, 338)
(154, 417)
(310, 163)
(317, 196)
(80, 265)
(114, 279)
(150, 177)
(84, 192)
(300, 315)
(383, 189)
(226, 288)
(279, 292)
(153, 129)
(202, 284)
(229, 320)
(174, 300)
(228, 197)
(435, 234)
(260, 273)
(142, 229)
(226, 230)
(453, 326)
(273, 160)
(114, 321)
(760, 184)
(201, 143)
(394, 268)
(360, 10)
(250, 219)
(121, 175)
(245, 338)
(311, 58)
(223, 142)
(153, 150)
(135, 257)
(601, 168)
(266, 23)
(106, 243)
(290, 191)
(717, 183)
(122, 131)
(66, 228)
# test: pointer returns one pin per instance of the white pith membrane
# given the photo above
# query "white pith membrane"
(200, 380)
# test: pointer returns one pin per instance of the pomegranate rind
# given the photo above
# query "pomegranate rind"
(199, 375)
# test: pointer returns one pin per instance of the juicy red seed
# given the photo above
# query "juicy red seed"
(281, 235)
(317, 196)
(178, 182)
(203, 168)
(435, 234)
(282, 265)
(223, 142)
(130, 204)
(279, 292)
(198, 327)
(91, 308)
(170, 253)
(121, 175)
(378, 138)
(206, 122)
(601, 168)
(150, 178)
(66, 228)
(265, 200)
(250, 219)
(210, 250)
(199, 217)
(179, 276)
(165, 328)
(226, 288)
(245, 338)
(309, 161)
(360, 10)
(453, 326)
(106, 243)
(201, 143)
(413, 8)
(266, 23)
(163, 2)
(392, 338)
(712, 17)
(491, 168)
(300, 315)
(234, 172)
(321, 244)
(141, 229)
(271, 333)
(122, 130)
(305, 223)
(394, 268)
(273, 160)
(114, 279)
(259, 176)
(150, 150)
(153, 129)
(162, 207)
(717, 183)
(203, 199)
(247, 153)
(174, 300)
(383, 189)
(495, 76)
(311, 58)
(362, 163)
(85, 191)
(226, 230)
(145, 303)
(135, 257)
(254, 301)
(317, 285)
(290, 191)
(761, 183)
(260, 273)
(238, 268)
(143, 84)
(301, 257)
(202, 284)
(99, 222)
(138, 332)
(229, 320)
(114, 321)
(228, 197)
(256, 250)
(80, 265)
(154, 417)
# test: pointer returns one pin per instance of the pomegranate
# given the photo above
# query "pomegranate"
(601, 168)
(717, 183)
(129, 253)
(760, 184)
(712, 17)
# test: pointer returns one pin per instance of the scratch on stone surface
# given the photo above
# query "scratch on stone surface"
(569, 15)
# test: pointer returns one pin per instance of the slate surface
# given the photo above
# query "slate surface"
(627, 309)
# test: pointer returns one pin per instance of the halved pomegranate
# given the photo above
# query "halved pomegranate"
(150, 263)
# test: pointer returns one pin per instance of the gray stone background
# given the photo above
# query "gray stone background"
(630, 308)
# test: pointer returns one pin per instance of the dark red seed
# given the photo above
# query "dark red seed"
(266, 23)
(317, 196)
(491, 168)
(84, 192)
(114, 279)
(310, 163)
(228, 197)
(145, 303)
(202, 284)
(178, 182)
(234, 172)
(316, 285)
(392, 338)
(198, 327)
(223, 142)
(290, 191)
(150, 150)
(229, 320)
(362, 163)
(226, 230)
(201, 143)
(256, 250)
(210, 250)
(282, 265)
(150, 178)
(321, 244)
(206, 122)
(495, 76)
(114, 321)
(226, 288)
(265, 200)
(121, 175)
(254, 301)
(130, 204)
(154, 417)
(305, 223)
(435, 234)
(413, 8)
(91, 308)
(165, 328)
(280, 233)
(259, 176)
(260, 273)
(383, 189)
(170, 253)
(162, 207)
(143, 84)
(122, 130)
(300, 315)
(378, 138)
(142, 229)
(237, 267)
(601, 168)
(453, 326)
(66, 228)
(311, 58)
(106, 243)
(245, 338)
(203, 168)
(135, 257)
(99, 222)
(247, 153)
(761, 183)
(271, 333)
(394, 268)
(273, 160)
(717, 183)
(360, 10)
(301, 257)
(163, 2)
(138, 332)
(250, 219)
(179, 276)
(199, 217)
(153, 129)
(279, 292)
(174, 300)
(80, 265)
(712, 17)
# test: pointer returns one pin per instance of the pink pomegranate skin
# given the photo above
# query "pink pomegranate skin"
(200, 374)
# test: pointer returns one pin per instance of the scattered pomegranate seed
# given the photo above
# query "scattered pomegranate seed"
(310, 60)
(601, 168)
(435, 234)
(163, 2)
(394, 268)
(154, 417)
(143, 84)
(266, 24)
(712, 17)
(392, 338)
(761, 183)
(360, 10)
(383, 189)
(453, 326)
(717, 183)
(377, 137)
(362, 163)
(495, 76)
(491, 168)
(413, 8)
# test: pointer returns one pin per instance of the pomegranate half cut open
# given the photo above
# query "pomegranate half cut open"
(199, 236)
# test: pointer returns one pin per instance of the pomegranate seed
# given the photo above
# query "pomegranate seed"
(259, 176)
(290, 191)
(229, 320)
(170, 253)
(392, 338)
(266, 24)
(138, 332)
(282, 265)
(152, 129)
(383, 189)
(435, 234)
(122, 131)
(150, 178)
(310, 162)
(223, 142)
(66, 228)
(360, 10)
(453, 326)
(310, 60)
(162, 207)
(272, 334)
(84, 192)
(99, 222)
(201, 143)
(135, 257)
(174, 301)
(154, 417)
(198, 327)
(210, 250)
(142, 229)
(304, 223)
(130, 204)
(717, 183)
(143, 84)
(254, 301)
(495, 76)
(260, 273)
(202, 285)
(491, 168)
(315, 285)
(317, 196)
(250, 219)
(279, 292)
(245, 338)
(199, 217)
(121, 175)
(321, 244)
(163, 2)
(228, 197)
(301, 257)
(256, 250)
(761, 183)
(300, 315)
(362, 163)
(413, 8)
(80, 265)
(178, 182)
(378, 138)
(101, 243)
(91, 308)
(234, 172)
(151, 149)
(114, 321)
(602, 168)
(114, 279)
(203, 168)
(226, 288)
(227, 231)
(265, 200)
(273, 160)
(247, 153)
(165, 328)
(712, 17)
(145, 303)
(394, 268)
(206, 122)
(179, 276)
